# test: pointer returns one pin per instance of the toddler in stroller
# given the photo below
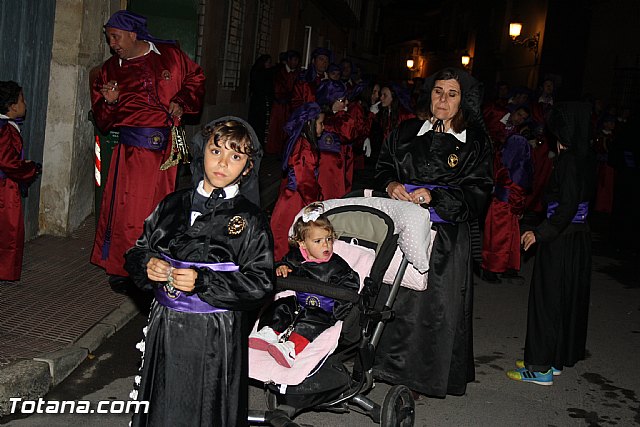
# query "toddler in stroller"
(289, 324)
(338, 374)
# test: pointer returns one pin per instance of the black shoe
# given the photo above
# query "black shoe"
(121, 285)
(490, 277)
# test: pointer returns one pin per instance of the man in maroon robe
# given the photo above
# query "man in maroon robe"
(305, 88)
(141, 91)
(283, 82)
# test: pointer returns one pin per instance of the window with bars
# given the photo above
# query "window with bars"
(263, 28)
(233, 46)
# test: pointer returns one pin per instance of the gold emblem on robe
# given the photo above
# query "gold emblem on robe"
(236, 225)
(452, 160)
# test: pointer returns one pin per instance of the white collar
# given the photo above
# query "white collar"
(11, 121)
(427, 126)
(230, 191)
(152, 48)
(505, 118)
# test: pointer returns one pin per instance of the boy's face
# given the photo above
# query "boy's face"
(222, 166)
(19, 109)
(318, 243)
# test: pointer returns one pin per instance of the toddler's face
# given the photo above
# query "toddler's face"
(318, 243)
(222, 166)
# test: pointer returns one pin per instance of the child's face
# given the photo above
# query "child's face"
(318, 243)
(19, 109)
(222, 166)
(320, 124)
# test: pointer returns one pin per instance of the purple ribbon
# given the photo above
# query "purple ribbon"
(213, 266)
(435, 218)
(179, 301)
(579, 218)
(313, 300)
(149, 138)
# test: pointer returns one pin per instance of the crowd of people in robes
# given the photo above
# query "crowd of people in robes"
(498, 176)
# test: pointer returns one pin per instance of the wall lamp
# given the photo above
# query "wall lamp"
(410, 64)
(465, 59)
(529, 42)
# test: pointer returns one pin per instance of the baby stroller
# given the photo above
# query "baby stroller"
(330, 385)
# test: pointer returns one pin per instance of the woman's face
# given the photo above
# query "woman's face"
(386, 98)
(375, 94)
(445, 99)
(319, 124)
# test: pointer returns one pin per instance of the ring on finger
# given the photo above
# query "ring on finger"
(421, 199)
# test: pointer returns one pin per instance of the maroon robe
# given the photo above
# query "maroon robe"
(147, 85)
(335, 165)
(283, 83)
(298, 189)
(11, 221)
(304, 91)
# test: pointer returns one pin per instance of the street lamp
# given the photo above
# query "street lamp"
(531, 43)
(465, 59)
(410, 64)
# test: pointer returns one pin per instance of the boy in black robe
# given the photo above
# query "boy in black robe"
(207, 254)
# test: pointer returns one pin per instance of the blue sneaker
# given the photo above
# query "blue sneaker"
(556, 372)
(524, 375)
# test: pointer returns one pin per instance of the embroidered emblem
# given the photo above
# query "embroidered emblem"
(236, 225)
(166, 75)
(155, 139)
(452, 160)
(312, 301)
(172, 292)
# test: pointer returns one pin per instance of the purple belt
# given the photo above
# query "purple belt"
(149, 138)
(579, 218)
(179, 301)
(313, 300)
(435, 218)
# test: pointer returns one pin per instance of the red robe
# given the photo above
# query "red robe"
(296, 192)
(501, 240)
(363, 119)
(147, 85)
(335, 171)
(283, 83)
(304, 91)
(11, 221)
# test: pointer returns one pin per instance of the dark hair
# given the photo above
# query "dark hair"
(390, 120)
(231, 134)
(309, 132)
(9, 94)
(458, 122)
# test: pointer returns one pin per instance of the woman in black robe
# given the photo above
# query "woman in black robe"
(446, 162)
(194, 369)
(561, 281)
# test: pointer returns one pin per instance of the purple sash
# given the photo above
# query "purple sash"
(579, 218)
(149, 138)
(435, 218)
(179, 301)
(306, 299)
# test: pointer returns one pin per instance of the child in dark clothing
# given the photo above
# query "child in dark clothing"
(289, 324)
(15, 176)
(207, 254)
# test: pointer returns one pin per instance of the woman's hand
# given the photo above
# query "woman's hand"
(283, 271)
(527, 239)
(184, 279)
(395, 190)
(421, 196)
(158, 270)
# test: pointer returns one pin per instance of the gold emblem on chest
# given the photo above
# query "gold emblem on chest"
(236, 225)
(453, 160)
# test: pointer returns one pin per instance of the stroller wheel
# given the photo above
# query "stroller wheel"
(398, 409)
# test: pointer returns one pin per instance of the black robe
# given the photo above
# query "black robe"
(429, 345)
(313, 320)
(561, 281)
(194, 368)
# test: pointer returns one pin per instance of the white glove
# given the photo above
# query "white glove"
(375, 108)
(366, 147)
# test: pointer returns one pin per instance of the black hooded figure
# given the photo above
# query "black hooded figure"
(194, 369)
(429, 345)
(561, 281)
